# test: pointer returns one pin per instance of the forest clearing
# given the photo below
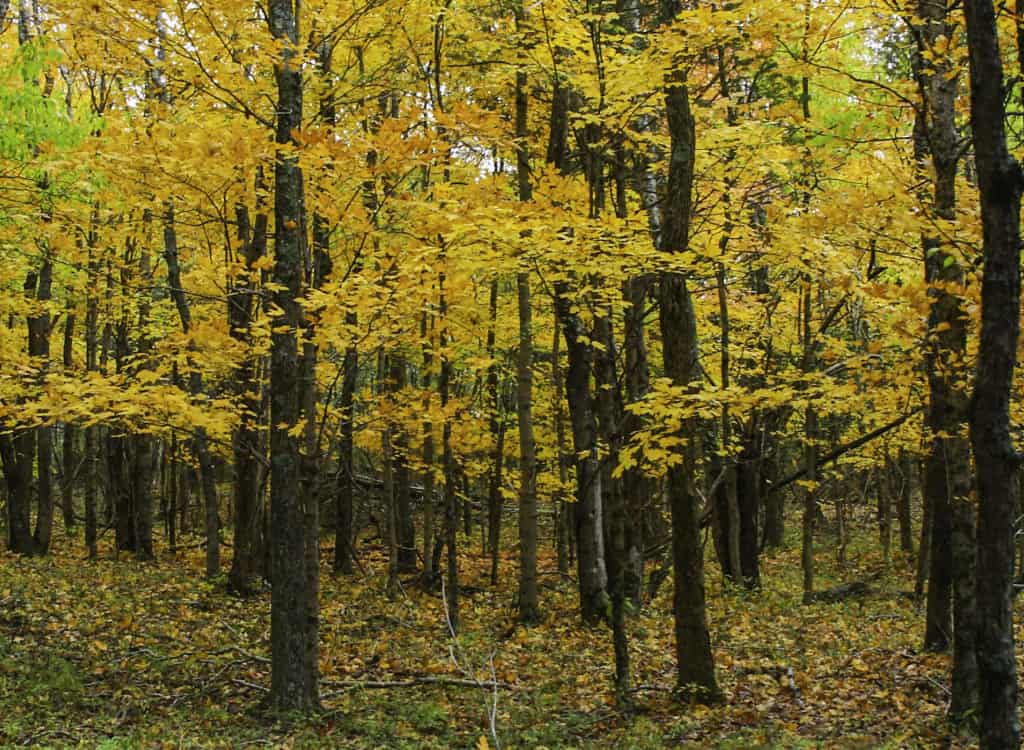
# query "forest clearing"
(510, 373)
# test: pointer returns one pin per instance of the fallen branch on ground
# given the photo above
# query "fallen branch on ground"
(837, 593)
(419, 680)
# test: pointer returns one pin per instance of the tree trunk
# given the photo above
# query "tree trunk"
(39, 350)
(246, 558)
(200, 445)
(294, 606)
(142, 467)
(924, 549)
(451, 515)
(68, 459)
(344, 554)
(694, 660)
(946, 475)
(429, 568)
(563, 528)
(387, 460)
(996, 461)
(92, 443)
(405, 524)
(497, 429)
(904, 499)
(17, 465)
(593, 576)
(529, 606)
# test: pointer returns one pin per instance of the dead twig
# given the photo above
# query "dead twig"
(420, 680)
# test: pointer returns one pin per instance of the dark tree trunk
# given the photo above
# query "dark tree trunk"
(529, 604)
(497, 429)
(246, 559)
(610, 409)
(593, 576)
(924, 549)
(404, 523)
(946, 479)
(563, 528)
(908, 481)
(92, 443)
(774, 506)
(119, 492)
(200, 446)
(344, 555)
(68, 458)
(17, 465)
(451, 514)
(39, 350)
(142, 466)
(748, 490)
(294, 603)
(695, 666)
(996, 461)
(142, 495)
(637, 489)
(171, 521)
(588, 526)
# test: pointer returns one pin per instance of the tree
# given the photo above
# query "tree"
(1000, 183)
(694, 660)
(294, 604)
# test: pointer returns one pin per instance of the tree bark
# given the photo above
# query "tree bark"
(497, 429)
(39, 350)
(996, 461)
(294, 606)
(694, 660)
(68, 458)
(529, 604)
(246, 558)
(200, 442)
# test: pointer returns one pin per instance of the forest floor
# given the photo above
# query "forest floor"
(116, 654)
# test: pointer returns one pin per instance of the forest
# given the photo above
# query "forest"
(510, 373)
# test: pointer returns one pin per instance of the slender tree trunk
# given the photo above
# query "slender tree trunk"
(294, 607)
(497, 429)
(996, 461)
(810, 510)
(451, 517)
(200, 443)
(924, 549)
(904, 500)
(946, 475)
(92, 447)
(637, 488)
(141, 478)
(39, 350)
(388, 482)
(172, 492)
(246, 558)
(695, 669)
(593, 576)
(529, 604)
(429, 569)
(68, 458)
(344, 554)
(563, 528)
(405, 524)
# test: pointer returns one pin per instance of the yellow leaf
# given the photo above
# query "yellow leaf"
(482, 743)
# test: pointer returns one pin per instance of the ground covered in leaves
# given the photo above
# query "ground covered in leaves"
(117, 654)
